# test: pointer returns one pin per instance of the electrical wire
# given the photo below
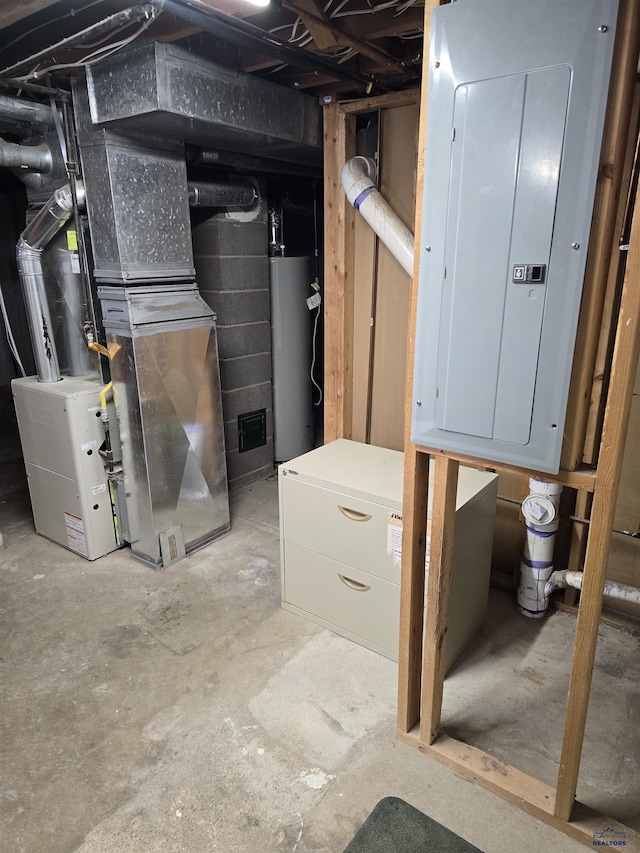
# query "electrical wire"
(32, 30)
(101, 53)
(313, 350)
(9, 334)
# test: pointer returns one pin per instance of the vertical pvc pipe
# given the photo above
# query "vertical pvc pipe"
(540, 510)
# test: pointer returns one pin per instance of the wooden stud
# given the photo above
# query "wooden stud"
(339, 146)
(583, 478)
(414, 536)
(11, 13)
(614, 433)
(379, 102)
(443, 521)
(605, 345)
(323, 36)
(579, 533)
(623, 76)
(385, 59)
(416, 474)
(534, 797)
(554, 807)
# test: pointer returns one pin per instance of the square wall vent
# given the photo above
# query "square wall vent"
(252, 430)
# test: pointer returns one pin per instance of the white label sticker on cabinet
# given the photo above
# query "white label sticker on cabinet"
(96, 490)
(394, 539)
(394, 536)
(75, 262)
(75, 533)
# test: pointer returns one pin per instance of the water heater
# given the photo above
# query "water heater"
(289, 282)
(517, 98)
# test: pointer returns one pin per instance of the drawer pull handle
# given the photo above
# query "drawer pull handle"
(353, 584)
(354, 514)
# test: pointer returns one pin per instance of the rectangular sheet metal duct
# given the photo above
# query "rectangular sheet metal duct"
(165, 90)
(165, 373)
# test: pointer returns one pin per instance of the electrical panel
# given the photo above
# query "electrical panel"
(517, 98)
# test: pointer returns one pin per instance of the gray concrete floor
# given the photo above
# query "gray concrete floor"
(184, 710)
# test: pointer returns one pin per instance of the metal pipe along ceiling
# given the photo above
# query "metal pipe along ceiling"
(221, 194)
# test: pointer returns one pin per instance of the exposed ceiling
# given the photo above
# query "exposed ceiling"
(327, 48)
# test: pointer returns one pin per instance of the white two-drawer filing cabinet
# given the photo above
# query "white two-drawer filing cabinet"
(340, 537)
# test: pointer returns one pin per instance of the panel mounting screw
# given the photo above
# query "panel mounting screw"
(418, 402)
(603, 29)
(427, 248)
(575, 245)
(436, 65)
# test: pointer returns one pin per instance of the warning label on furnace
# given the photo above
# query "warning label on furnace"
(394, 539)
(75, 533)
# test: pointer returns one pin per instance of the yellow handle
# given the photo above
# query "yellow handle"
(354, 514)
(103, 396)
(96, 347)
(353, 584)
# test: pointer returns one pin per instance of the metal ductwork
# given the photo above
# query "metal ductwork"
(28, 113)
(222, 194)
(31, 244)
(166, 91)
(30, 158)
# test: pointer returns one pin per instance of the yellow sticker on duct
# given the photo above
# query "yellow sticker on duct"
(72, 241)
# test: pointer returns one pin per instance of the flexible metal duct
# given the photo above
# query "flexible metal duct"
(358, 183)
(53, 215)
(221, 194)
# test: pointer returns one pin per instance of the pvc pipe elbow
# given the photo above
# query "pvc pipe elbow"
(357, 176)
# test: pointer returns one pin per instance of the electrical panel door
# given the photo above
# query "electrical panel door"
(516, 109)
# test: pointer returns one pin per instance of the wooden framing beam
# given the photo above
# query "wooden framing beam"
(443, 523)
(416, 474)
(11, 13)
(383, 24)
(612, 157)
(532, 796)
(583, 478)
(420, 670)
(378, 102)
(614, 434)
(603, 358)
(310, 11)
(339, 146)
(363, 47)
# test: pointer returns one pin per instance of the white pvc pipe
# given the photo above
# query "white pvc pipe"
(540, 510)
(358, 175)
(620, 591)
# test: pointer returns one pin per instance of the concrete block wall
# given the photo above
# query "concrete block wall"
(232, 271)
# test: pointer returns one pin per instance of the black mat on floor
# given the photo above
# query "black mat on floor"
(396, 827)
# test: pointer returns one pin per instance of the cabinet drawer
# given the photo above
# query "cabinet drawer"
(339, 526)
(351, 600)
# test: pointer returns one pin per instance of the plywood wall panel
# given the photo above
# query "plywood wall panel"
(398, 160)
